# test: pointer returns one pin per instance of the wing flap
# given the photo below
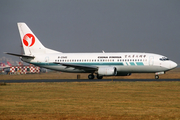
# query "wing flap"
(84, 67)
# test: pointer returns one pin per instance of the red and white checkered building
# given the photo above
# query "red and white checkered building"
(24, 69)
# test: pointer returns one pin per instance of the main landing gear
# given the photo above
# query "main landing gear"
(91, 76)
(99, 77)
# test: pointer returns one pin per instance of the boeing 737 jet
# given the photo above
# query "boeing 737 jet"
(97, 64)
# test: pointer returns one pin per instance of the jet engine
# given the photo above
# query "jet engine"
(107, 71)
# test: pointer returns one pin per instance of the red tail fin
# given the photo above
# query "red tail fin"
(9, 63)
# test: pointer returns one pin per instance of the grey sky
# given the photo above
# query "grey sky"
(94, 25)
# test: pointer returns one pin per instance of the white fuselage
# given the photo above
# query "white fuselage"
(124, 62)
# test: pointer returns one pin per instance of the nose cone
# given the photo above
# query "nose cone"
(173, 64)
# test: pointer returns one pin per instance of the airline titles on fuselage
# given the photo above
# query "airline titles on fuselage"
(125, 56)
(105, 58)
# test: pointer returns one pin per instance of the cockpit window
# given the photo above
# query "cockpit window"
(164, 59)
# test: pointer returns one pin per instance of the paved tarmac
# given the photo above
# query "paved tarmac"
(87, 80)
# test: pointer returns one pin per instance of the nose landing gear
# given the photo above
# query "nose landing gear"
(156, 76)
(158, 73)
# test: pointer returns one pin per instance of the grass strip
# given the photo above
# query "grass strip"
(94, 100)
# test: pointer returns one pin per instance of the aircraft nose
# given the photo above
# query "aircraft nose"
(173, 64)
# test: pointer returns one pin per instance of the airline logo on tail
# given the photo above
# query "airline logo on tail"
(28, 40)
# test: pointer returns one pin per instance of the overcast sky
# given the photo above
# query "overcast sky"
(94, 25)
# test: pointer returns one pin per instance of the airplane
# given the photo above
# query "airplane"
(97, 64)
(5, 66)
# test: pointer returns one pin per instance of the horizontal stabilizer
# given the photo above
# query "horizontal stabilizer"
(19, 55)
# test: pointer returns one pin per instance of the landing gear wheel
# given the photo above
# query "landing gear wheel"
(156, 76)
(99, 77)
(91, 76)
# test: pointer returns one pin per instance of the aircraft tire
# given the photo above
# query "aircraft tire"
(91, 76)
(99, 77)
(156, 76)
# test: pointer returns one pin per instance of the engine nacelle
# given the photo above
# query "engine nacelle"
(107, 71)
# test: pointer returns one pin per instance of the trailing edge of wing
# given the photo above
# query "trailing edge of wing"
(25, 56)
(85, 67)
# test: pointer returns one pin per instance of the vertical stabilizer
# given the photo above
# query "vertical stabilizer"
(30, 42)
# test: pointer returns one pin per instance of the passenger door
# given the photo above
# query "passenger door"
(151, 60)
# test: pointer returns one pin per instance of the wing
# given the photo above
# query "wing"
(84, 67)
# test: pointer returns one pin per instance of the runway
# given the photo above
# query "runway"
(87, 80)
